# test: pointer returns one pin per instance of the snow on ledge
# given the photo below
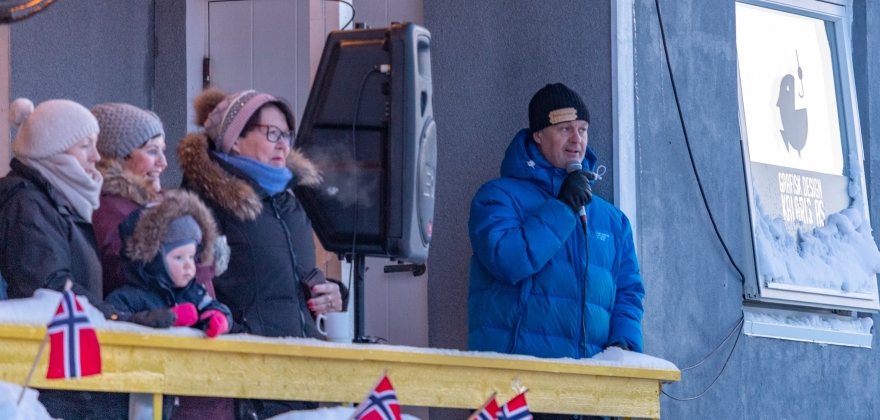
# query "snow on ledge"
(327, 413)
(809, 327)
(30, 409)
(814, 321)
(39, 310)
(841, 255)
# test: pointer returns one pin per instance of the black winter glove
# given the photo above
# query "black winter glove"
(575, 191)
(156, 318)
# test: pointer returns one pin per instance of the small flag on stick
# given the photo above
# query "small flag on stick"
(74, 351)
(515, 409)
(489, 410)
(380, 404)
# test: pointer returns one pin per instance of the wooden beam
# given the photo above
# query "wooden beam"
(310, 370)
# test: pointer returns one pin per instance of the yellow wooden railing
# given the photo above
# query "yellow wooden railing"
(310, 370)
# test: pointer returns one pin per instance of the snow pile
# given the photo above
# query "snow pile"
(839, 256)
(814, 321)
(30, 408)
(328, 413)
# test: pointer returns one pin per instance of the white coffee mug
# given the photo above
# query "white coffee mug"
(335, 326)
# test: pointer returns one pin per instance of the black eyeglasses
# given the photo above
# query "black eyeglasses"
(275, 134)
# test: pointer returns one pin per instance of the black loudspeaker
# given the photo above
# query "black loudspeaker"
(369, 127)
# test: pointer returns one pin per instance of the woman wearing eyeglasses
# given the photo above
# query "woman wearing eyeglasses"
(243, 167)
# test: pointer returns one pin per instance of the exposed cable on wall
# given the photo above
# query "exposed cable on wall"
(352, 12)
(687, 142)
(718, 347)
(738, 329)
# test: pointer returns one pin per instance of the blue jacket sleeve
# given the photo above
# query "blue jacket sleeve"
(626, 317)
(513, 245)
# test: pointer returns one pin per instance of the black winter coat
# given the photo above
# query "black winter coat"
(270, 238)
(43, 241)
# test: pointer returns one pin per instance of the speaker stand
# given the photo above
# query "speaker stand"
(360, 267)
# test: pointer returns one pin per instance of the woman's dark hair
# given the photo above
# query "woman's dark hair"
(254, 120)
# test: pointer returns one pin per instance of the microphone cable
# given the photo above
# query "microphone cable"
(357, 108)
(687, 142)
(352, 12)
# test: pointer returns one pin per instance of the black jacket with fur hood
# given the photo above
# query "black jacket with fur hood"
(148, 285)
(270, 237)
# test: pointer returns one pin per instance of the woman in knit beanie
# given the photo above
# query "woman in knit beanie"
(46, 234)
(132, 148)
(243, 167)
(52, 189)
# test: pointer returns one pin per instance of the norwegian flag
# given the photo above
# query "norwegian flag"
(489, 410)
(381, 404)
(73, 345)
(515, 409)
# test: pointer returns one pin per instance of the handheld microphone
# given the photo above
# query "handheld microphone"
(576, 166)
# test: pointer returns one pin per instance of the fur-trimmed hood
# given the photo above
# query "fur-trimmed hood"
(124, 183)
(153, 223)
(207, 178)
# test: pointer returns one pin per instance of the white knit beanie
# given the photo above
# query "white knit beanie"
(51, 128)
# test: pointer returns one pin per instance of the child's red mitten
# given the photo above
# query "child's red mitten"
(187, 315)
(217, 322)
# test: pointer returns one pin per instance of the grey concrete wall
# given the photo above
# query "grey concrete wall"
(170, 92)
(866, 56)
(693, 294)
(107, 51)
(88, 51)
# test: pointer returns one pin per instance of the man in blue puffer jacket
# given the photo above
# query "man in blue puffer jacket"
(533, 289)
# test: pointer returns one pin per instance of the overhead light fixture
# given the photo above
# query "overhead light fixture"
(17, 10)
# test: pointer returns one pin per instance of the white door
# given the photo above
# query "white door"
(262, 45)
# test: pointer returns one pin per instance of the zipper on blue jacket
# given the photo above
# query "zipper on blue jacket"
(302, 320)
(586, 285)
(582, 273)
(582, 288)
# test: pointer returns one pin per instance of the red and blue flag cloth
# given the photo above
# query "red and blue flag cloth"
(489, 410)
(381, 404)
(74, 351)
(515, 409)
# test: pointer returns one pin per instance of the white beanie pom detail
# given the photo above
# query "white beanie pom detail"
(19, 111)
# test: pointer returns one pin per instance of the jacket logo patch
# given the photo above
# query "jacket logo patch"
(602, 236)
(563, 115)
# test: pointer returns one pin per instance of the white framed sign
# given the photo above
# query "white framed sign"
(802, 150)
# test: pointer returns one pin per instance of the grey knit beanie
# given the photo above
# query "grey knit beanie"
(49, 129)
(124, 128)
(182, 231)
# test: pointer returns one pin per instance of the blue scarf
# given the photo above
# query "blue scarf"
(273, 180)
